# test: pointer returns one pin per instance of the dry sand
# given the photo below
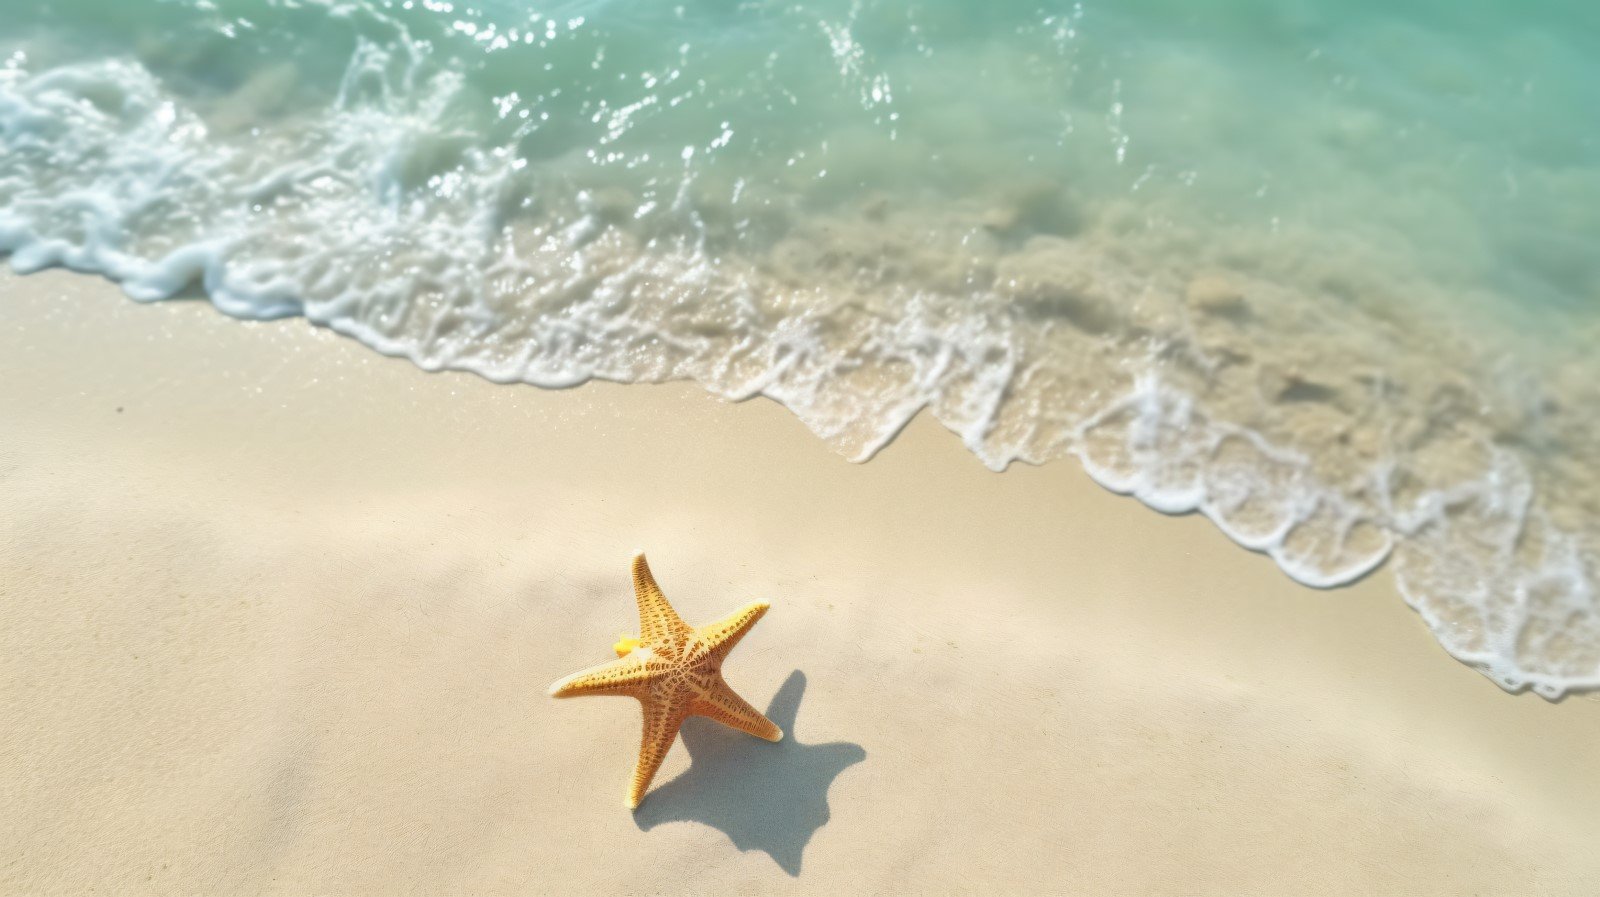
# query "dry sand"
(277, 615)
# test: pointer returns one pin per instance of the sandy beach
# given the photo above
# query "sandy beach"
(277, 615)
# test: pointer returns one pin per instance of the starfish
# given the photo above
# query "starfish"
(675, 671)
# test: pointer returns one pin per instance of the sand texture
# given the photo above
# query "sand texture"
(277, 615)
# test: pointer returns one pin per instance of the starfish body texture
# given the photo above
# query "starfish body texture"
(675, 670)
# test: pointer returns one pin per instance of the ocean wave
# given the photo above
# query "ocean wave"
(1264, 379)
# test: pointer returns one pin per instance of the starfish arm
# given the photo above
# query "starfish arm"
(661, 722)
(658, 622)
(722, 705)
(725, 633)
(623, 676)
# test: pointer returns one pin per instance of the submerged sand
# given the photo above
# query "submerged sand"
(277, 615)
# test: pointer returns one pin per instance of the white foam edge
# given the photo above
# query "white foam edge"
(204, 264)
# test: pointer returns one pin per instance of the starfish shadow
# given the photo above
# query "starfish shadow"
(763, 796)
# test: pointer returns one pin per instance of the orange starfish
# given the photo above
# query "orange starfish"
(675, 671)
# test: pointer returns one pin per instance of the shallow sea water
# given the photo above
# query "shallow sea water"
(1322, 271)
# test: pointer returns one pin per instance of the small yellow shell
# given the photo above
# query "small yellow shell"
(626, 645)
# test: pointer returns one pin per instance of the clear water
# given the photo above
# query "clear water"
(1322, 271)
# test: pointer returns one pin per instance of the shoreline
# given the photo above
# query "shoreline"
(306, 598)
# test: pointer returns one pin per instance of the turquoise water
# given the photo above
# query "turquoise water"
(1321, 271)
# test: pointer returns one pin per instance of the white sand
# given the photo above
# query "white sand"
(284, 622)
